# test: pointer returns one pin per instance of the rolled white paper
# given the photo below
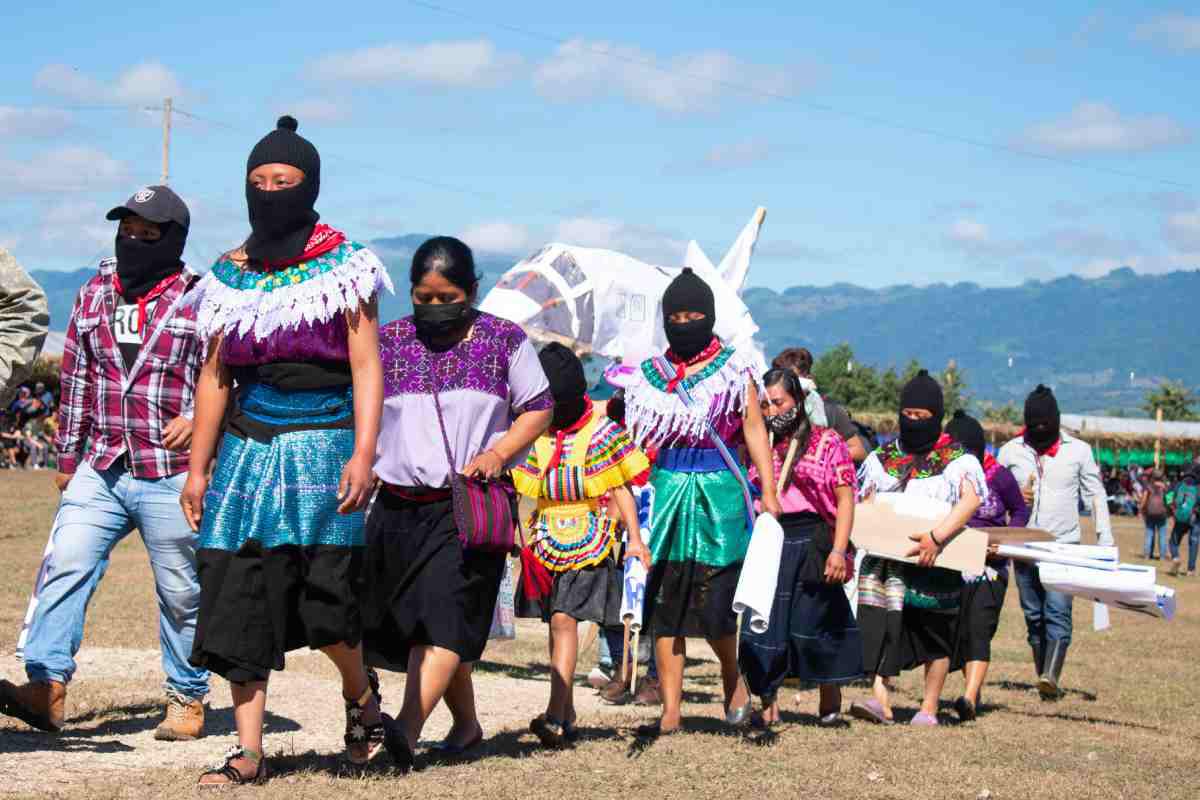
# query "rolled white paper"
(633, 594)
(760, 574)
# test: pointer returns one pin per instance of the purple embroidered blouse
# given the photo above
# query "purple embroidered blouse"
(484, 382)
(317, 341)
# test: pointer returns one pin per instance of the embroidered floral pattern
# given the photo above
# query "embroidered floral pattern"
(896, 462)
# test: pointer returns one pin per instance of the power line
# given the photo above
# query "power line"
(812, 105)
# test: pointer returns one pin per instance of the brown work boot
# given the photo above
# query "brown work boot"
(616, 693)
(37, 703)
(184, 720)
(647, 693)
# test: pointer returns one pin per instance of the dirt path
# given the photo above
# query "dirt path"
(115, 704)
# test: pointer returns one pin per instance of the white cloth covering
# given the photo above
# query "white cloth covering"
(633, 593)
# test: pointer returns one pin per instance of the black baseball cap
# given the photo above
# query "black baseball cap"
(155, 203)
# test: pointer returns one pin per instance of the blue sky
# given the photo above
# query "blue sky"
(635, 126)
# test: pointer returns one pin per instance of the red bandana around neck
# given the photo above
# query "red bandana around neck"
(681, 364)
(146, 299)
(560, 436)
(323, 239)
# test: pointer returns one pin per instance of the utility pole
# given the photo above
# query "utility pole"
(166, 153)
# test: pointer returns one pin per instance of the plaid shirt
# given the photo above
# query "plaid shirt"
(124, 411)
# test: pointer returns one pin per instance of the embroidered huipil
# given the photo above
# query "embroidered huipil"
(939, 477)
(816, 473)
(484, 382)
(125, 410)
(568, 472)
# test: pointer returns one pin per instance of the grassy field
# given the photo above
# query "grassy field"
(1127, 728)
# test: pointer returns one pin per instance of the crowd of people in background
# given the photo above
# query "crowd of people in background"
(27, 429)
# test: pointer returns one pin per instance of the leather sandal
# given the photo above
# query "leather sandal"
(397, 744)
(232, 775)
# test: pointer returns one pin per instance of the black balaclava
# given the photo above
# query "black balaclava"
(282, 221)
(967, 431)
(689, 292)
(142, 265)
(568, 385)
(918, 436)
(1042, 419)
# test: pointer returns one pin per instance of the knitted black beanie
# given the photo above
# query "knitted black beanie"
(564, 370)
(284, 146)
(923, 392)
(967, 431)
(1041, 408)
(689, 292)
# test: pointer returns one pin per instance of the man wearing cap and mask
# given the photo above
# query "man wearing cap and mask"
(129, 370)
(1054, 470)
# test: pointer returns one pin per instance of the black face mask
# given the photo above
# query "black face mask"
(567, 412)
(281, 222)
(1042, 436)
(784, 424)
(142, 265)
(435, 320)
(688, 339)
(918, 436)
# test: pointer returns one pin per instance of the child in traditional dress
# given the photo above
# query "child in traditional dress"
(569, 570)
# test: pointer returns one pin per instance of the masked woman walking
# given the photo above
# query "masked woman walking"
(699, 404)
(464, 395)
(908, 613)
(812, 634)
(291, 321)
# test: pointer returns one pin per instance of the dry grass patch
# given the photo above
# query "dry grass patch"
(1126, 729)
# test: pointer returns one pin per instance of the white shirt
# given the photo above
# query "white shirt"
(1059, 483)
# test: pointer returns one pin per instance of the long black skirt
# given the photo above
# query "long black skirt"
(812, 633)
(257, 604)
(982, 602)
(421, 586)
(591, 594)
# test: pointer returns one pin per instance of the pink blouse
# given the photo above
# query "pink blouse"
(816, 473)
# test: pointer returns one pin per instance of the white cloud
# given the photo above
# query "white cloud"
(317, 110)
(1099, 128)
(63, 169)
(33, 121)
(1182, 229)
(639, 241)
(736, 155)
(700, 81)
(968, 233)
(147, 82)
(468, 63)
(1178, 32)
(77, 225)
(498, 237)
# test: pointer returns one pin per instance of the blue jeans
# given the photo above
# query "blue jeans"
(1192, 531)
(1155, 530)
(614, 641)
(1047, 614)
(97, 511)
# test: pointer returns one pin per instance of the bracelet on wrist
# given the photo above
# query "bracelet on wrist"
(933, 539)
(841, 553)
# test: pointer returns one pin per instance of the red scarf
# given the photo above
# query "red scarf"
(560, 436)
(681, 364)
(146, 299)
(323, 239)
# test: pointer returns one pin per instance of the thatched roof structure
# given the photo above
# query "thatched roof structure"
(1117, 433)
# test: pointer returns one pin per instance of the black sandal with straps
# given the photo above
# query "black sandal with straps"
(358, 733)
(232, 775)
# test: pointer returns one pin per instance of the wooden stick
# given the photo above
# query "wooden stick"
(625, 652)
(633, 664)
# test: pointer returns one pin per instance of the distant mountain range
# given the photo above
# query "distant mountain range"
(1083, 336)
